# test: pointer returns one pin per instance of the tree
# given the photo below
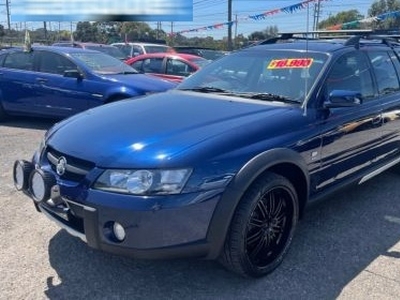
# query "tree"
(108, 32)
(268, 32)
(2, 32)
(136, 31)
(87, 32)
(341, 18)
(380, 7)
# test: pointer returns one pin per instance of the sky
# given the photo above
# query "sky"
(211, 12)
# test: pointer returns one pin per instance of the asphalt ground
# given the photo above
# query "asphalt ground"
(346, 247)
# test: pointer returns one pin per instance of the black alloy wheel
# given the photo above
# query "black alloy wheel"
(262, 228)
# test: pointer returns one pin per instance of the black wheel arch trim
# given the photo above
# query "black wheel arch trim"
(225, 209)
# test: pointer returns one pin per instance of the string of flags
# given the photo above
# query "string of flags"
(262, 16)
(292, 9)
(355, 23)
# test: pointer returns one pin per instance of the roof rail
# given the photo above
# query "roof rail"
(353, 36)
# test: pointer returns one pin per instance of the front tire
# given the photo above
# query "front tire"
(262, 227)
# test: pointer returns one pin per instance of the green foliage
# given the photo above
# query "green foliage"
(87, 32)
(340, 18)
(380, 7)
(262, 35)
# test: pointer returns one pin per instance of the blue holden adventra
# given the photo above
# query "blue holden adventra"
(223, 166)
(58, 82)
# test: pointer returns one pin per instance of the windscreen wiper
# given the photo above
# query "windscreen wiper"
(128, 72)
(206, 89)
(267, 97)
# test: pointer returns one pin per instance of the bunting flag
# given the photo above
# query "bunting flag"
(288, 9)
(355, 23)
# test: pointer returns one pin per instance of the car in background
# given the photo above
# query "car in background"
(108, 49)
(58, 82)
(171, 66)
(134, 49)
(207, 53)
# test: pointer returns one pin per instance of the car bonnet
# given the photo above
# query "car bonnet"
(160, 129)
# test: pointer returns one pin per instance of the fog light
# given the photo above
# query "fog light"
(40, 183)
(118, 231)
(21, 171)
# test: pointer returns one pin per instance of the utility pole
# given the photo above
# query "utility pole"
(317, 12)
(229, 25)
(235, 35)
(45, 31)
(8, 14)
(172, 34)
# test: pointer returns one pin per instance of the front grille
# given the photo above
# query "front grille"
(75, 168)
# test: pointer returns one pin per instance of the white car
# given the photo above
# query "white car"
(135, 49)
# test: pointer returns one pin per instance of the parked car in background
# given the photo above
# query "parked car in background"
(207, 53)
(170, 66)
(108, 49)
(135, 49)
(58, 82)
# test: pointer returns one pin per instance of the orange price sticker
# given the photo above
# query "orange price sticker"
(290, 63)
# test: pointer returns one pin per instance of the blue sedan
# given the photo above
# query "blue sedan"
(58, 82)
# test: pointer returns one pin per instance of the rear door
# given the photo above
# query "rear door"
(17, 82)
(386, 68)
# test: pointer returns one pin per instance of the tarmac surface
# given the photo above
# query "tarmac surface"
(346, 247)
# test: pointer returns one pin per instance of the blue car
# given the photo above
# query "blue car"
(223, 166)
(58, 82)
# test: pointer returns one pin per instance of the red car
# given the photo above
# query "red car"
(171, 66)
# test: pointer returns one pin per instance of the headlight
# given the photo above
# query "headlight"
(143, 182)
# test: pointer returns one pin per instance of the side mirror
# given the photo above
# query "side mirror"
(73, 74)
(343, 98)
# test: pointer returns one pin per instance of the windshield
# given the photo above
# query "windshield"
(156, 48)
(125, 49)
(201, 62)
(110, 50)
(289, 74)
(101, 63)
(212, 54)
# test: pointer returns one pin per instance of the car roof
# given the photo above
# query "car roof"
(334, 40)
(170, 54)
(320, 46)
(142, 44)
(56, 49)
(184, 56)
(81, 44)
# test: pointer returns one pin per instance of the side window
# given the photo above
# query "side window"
(385, 72)
(138, 65)
(54, 63)
(19, 60)
(136, 50)
(152, 65)
(351, 72)
(178, 67)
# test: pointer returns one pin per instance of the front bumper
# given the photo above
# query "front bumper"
(155, 227)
